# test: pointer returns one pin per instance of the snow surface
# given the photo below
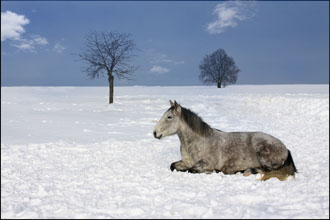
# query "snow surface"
(66, 153)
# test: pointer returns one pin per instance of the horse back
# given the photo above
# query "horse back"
(242, 150)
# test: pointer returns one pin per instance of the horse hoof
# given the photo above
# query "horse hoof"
(172, 167)
(192, 170)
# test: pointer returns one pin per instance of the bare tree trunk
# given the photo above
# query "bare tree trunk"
(219, 84)
(110, 78)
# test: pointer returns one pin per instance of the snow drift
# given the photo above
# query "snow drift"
(66, 153)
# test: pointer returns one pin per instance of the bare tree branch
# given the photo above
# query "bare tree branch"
(110, 53)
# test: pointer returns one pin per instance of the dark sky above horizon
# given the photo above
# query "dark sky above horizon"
(275, 42)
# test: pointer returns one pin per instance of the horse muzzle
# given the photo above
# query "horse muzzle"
(155, 135)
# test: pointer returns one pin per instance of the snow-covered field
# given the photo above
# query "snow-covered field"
(66, 153)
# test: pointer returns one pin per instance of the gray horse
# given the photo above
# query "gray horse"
(205, 149)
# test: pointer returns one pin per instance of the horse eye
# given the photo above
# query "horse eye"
(169, 117)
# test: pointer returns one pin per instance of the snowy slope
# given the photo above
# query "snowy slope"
(66, 153)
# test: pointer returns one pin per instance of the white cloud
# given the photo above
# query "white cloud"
(229, 13)
(12, 25)
(59, 48)
(40, 40)
(159, 69)
(12, 29)
(30, 44)
(157, 58)
(25, 45)
(160, 58)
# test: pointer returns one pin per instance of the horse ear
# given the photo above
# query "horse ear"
(171, 103)
(177, 107)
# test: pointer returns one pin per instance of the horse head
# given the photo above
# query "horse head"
(169, 123)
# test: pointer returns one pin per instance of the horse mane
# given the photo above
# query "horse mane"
(195, 122)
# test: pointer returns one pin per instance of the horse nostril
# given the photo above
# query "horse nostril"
(155, 135)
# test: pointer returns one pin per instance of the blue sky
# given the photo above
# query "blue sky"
(274, 42)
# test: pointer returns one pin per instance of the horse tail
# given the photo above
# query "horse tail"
(287, 169)
(290, 163)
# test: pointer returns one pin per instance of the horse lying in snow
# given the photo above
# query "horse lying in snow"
(205, 149)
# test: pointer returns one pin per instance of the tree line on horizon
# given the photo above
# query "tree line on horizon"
(110, 53)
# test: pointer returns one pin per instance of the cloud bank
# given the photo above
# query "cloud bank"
(59, 48)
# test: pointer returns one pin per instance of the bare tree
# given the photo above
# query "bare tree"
(110, 53)
(218, 68)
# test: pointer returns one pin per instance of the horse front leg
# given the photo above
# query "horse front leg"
(202, 166)
(179, 166)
